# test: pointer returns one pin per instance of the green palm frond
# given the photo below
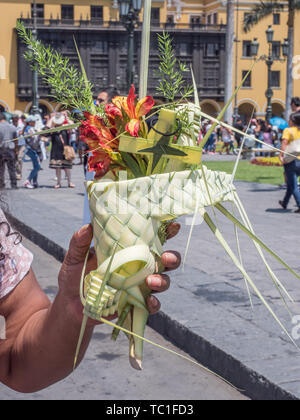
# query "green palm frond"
(260, 11)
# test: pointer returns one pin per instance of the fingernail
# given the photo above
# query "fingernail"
(154, 302)
(173, 230)
(154, 281)
(83, 230)
(170, 260)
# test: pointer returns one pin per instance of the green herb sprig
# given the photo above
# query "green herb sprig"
(172, 84)
(69, 87)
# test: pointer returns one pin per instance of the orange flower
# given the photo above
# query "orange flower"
(126, 107)
(101, 142)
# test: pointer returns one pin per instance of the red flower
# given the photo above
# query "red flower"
(101, 142)
(126, 107)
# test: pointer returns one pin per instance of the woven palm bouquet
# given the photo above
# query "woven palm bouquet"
(148, 172)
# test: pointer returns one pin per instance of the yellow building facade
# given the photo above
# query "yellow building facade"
(252, 95)
(183, 14)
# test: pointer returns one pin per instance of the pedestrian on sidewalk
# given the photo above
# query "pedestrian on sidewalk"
(239, 137)
(19, 123)
(291, 165)
(8, 152)
(32, 151)
(58, 158)
(41, 336)
(227, 139)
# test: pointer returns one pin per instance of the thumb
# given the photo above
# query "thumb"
(79, 245)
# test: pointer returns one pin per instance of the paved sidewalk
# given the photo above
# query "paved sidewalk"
(206, 312)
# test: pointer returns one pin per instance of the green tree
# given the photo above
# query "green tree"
(264, 9)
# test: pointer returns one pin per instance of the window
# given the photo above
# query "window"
(155, 15)
(211, 77)
(195, 21)
(248, 81)
(276, 45)
(215, 18)
(170, 21)
(247, 49)
(39, 10)
(209, 19)
(276, 19)
(211, 50)
(97, 13)
(275, 79)
(67, 12)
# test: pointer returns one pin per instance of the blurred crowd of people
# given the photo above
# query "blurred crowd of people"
(230, 141)
(61, 148)
(37, 148)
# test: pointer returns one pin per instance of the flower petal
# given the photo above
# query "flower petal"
(121, 103)
(131, 103)
(133, 127)
(144, 106)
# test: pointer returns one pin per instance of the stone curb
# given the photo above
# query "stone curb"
(248, 381)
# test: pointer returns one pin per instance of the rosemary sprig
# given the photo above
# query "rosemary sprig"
(68, 86)
(170, 72)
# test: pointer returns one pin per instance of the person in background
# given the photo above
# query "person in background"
(267, 134)
(102, 98)
(19, 123)
(259, 134)
(207, 127)
(226, 138)
(73, 133)
(210, 146)
(8, 152)
(57, 157)
(291, 168)
(239, 126)
(295, 104)
(32, 151)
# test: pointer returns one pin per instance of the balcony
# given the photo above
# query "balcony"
(99, 24)
(103, 48)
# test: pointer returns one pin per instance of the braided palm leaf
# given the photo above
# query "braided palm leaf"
(127, 217)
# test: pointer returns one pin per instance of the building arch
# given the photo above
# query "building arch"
(46, 106)
(4, 106)
(278, 108)
(247, 109)
(210, 107)
(2, 68)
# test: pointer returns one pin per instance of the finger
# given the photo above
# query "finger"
(93, 322)
(158, 282)
(172, 230)
(153, 304)
(92, 263)
(171, 260)
(79, 245)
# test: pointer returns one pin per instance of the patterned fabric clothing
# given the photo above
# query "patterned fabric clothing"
(15, 260)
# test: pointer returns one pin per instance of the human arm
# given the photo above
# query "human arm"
(42, 337)
(286, 138)
(283, 147)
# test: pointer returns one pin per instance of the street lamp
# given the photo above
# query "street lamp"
(254, 47)
(269, 59)
(35, 93)
(129, 16)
